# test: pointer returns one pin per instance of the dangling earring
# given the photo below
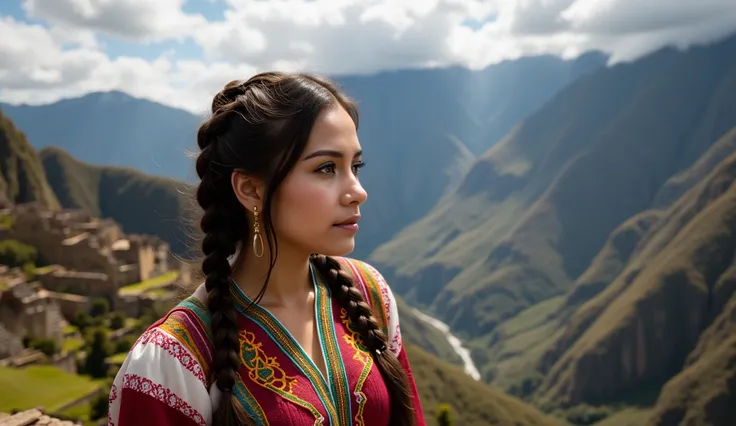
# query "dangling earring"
(257, 238)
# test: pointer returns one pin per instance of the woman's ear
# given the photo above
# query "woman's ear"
(248, 189)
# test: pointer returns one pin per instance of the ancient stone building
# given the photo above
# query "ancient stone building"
(28, 309)
(71, 304)
(150, 253)
(79, 242)
(91, 284)
(10, 344)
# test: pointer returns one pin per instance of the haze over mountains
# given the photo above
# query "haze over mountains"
(422, 128)
(576, 224)
(55, 179)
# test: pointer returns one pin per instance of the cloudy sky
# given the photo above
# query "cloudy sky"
(180, 52)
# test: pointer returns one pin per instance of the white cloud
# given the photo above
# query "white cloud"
(36, 68)
(143, 20)
(63, 58)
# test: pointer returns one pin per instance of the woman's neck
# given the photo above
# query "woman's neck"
(290, 283)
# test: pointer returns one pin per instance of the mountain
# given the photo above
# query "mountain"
(528, 260)
(114, 129)
(22, 177)
(533, 211)
(140, 203)
(149, 204)
(424, 128)
(423, 335)
(666, 316)
(419, 127)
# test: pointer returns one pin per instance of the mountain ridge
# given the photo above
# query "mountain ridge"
(420, 127)
(22, 177)
(132, 198)
(527, 226)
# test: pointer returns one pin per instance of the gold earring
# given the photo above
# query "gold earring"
(257, 238)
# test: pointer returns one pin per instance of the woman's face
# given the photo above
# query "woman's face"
(317, 206)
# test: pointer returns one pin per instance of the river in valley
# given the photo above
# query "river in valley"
(456, 343)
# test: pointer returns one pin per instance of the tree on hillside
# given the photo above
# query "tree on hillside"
(117, 320)
(14, 253)
(49, 347)
(100, 307)
(99, 406)
(81, 320)
(99, 348)
(444, 415)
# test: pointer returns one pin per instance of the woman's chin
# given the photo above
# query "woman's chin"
(337, 249)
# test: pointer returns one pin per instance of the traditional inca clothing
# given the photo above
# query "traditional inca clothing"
(167, 377)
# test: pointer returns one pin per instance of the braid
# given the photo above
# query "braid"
(228, 95)
(361, 315)
(222, 225)
(260, 127)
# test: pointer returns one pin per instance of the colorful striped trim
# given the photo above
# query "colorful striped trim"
(361, 355)
(288, 345)
(189, 324)
(250, 404)
(335, 367)
(365, 278)
(200, 312)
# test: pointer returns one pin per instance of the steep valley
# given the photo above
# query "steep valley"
(143, 203)
(422, 128)
(588, 256)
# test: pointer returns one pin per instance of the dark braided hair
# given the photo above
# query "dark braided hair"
(360, 313)
(261, 127)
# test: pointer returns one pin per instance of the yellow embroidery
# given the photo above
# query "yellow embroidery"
(352, 337)
(262, 369)
(267, 372)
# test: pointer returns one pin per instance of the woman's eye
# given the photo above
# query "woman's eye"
(357, 167)
(328, 168)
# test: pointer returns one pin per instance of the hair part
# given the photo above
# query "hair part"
(261, 127)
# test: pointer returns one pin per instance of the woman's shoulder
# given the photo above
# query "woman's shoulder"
(182, 337)
(365, 273)
(379, 295)
(166, 371)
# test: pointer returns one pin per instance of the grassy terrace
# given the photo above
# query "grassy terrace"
(150, 284)
(24, 388)
(118, 358)
(6, 222)
(45, 269)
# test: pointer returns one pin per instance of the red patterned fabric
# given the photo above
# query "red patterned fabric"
(166, 379)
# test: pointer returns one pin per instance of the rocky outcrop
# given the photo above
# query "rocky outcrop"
(642, 327)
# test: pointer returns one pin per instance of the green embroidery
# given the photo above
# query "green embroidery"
(262, 368)
(333, 358)
(361, 355)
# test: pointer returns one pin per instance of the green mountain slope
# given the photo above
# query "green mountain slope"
(114, 129)
(704, 392)
(153, 205)
(654, 316)
(140, 203)
(473, 403)
(534, 210)
(417, 332)
(22, 178)
(656, 304)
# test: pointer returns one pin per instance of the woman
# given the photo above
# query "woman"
(276, 334)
